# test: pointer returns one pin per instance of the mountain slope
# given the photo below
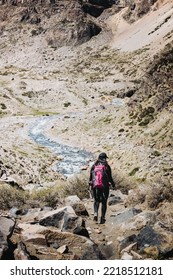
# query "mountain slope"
(101, 83)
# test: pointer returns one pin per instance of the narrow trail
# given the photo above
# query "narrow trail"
(104, 235)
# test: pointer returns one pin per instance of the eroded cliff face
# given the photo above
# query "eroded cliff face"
(137, 9)
(62, 22)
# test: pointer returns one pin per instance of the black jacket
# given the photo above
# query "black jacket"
(108, 172)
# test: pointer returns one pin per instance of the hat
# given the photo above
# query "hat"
(103, 156)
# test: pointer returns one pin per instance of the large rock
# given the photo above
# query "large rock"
(3, 244)
(6, 229)
(66, 220)
(20, 253)
(6, 225)
(71, 200)
(155, 242)
(139, 221)
(43, 243)
(148, 237)
(78, 206)
(114, 200)
(96, 7)
(124, 216)
(71, 27)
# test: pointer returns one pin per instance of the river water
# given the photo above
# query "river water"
(73, 158)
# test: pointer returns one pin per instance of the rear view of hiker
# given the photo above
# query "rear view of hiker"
(100, 182)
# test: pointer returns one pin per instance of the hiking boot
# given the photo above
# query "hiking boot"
(102, 220)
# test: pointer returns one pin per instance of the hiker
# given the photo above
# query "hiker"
(100, 182)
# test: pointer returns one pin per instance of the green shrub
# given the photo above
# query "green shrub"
(146, 120)
(133, 172)
(146, 116)
(67, 104)
(156, 153)
(3, 106)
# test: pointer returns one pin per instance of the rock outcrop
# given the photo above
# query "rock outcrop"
(62, 22)
(6, 229)
(47, 234)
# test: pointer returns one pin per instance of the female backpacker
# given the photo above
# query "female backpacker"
(100, 181)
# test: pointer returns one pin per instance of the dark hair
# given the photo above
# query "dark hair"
(103, 156)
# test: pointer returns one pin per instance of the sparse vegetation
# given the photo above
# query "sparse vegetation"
(165, 20)
(50, 197)
(3, 106)
(67, 104)
(12, 197)
(156, 153)
(77, 186)
(158, 192)
(133, 172)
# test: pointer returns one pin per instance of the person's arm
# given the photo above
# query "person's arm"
(109, 173)
(90, 178)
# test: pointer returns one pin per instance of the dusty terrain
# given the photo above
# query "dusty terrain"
(37, 79)
(100, 91)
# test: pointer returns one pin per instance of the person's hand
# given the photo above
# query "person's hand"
(90, 183)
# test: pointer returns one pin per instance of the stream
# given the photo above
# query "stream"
(73, 158)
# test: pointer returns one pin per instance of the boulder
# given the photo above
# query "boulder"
(6, 229)
(139, 221)
(40, 241)
(151, 251)
(3, 245)
(148, 237)
(166, 241)
(124, 216)
(20, 252)
(126, 241)
(6, 226)
(71, 200)
(63, 249)
(66, 220)
(126, 256)
(114, 200)
(80, 209)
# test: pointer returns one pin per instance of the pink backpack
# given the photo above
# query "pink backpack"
(99, 175)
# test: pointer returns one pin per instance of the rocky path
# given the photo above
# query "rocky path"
(105, 235)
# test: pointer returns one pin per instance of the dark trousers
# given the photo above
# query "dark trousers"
(100, 196)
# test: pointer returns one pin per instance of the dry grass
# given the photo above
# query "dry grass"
(49, 197)
(12, 197)
(77, 185)
(160, 191)
(153, 195)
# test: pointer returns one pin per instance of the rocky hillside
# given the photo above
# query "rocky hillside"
(78, 78)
